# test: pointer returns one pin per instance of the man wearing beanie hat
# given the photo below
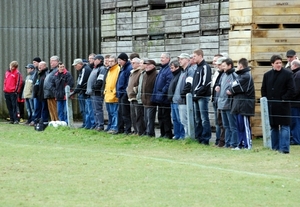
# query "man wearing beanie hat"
(124, 120)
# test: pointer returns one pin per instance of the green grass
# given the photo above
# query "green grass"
(76, 167)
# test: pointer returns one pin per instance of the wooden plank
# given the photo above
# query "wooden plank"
(288, 19)
(124, 3)
(243, 16)
(124, 46)
(224, 8)
(276, 4)
(190, 18)
(156, 19)
(108, 4)
(236, 5)
(240, 35)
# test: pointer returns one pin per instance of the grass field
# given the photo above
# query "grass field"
(76, 167)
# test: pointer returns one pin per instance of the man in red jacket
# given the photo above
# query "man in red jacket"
(12, 86)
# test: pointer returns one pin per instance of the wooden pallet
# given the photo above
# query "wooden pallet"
(264, 12)
(190, 18)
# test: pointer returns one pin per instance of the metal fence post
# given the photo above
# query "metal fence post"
(266, 129)
(190, 115)
(69, 107)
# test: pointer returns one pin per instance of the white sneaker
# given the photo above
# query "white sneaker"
(237, 148)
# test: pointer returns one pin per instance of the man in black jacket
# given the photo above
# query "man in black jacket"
(243, 105)
(201, 92)
(85, 104)
(295, 126)
(278, 88)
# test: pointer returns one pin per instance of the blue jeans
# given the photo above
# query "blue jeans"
(81, 101)
(295, 126)
(182, 108)
(230, 126)
(89, 116)
(149, 116)
(202, 125)
(97, 103)
(280, 138)
(62, 110)
(29, 108)
(112, 112)
(177, 125)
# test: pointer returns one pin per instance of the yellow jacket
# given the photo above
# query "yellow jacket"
(110, 93)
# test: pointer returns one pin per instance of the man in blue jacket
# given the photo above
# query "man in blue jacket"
(160, 96)
(124, 120)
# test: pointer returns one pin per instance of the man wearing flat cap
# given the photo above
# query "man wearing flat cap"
(124, 120)
(146, 94)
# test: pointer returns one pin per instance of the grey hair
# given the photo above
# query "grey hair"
(167, 55)
(296, 62)
(175, 62)
(114, 57)
(55, 57)
(138, 60)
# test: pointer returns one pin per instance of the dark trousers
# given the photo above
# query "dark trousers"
(137, 117)
(12, 107)
(164, 120)
(124, 120)
(149, 117)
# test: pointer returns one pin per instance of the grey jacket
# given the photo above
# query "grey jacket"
(225, 101)
(48, 89)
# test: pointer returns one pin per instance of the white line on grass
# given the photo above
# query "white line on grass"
(170, 161)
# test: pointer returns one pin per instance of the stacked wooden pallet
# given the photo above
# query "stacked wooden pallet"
(260, 29)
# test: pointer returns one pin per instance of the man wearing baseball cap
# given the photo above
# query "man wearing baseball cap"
(27, 92)
(290, 56)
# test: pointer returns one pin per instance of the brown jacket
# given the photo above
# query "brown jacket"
(147, 87)
(133, 84)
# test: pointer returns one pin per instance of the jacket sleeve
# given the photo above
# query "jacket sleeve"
(264, 87)
(168, 79)
(290, 88)
(241, 84)
(19, 83)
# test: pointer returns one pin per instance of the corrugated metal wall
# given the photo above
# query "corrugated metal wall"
(30, 28)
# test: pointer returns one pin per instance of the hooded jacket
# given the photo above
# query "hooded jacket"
(12, 81)
(110, 91)
(243, 93)
(224, 100)
(60, 81)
